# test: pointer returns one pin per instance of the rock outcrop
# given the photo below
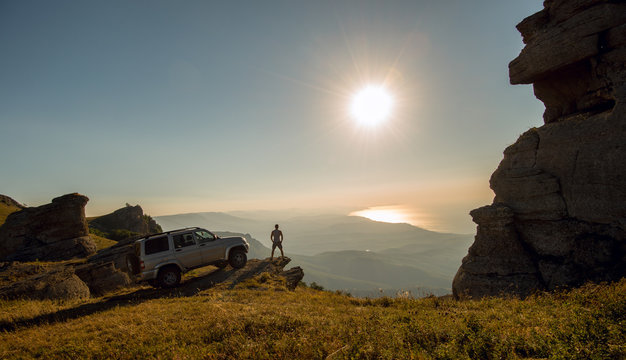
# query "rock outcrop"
(125, 223)
(559, 214)
(102, 277)
(292, 277)
(55, 231)
(115, 254)
(266, 273)
(35, 281)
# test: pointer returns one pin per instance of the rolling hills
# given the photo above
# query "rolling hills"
(349, 253)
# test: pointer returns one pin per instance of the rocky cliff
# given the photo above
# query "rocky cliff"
(559, 214)
(55, 231)
(125, 223)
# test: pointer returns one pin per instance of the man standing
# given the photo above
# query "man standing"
(277, 241)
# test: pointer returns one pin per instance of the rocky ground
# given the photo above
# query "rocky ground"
(80, 279)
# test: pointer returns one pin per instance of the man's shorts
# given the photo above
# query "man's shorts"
(277, 245)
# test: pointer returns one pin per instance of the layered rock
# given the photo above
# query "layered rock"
(55, 231)
(559, 214)
(124, 223)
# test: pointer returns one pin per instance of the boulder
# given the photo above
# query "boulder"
(102, 277)
(55, 231)
(559, 214)
(33, 281)
(292, 277)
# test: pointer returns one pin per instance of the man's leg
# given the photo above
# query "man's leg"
(282, 254)
(273, 248)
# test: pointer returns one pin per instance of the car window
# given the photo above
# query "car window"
(182, 240)
(156, 245)
(204, 236)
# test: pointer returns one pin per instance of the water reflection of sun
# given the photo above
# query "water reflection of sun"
(390, 214)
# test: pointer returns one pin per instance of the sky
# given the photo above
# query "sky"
(189, 106)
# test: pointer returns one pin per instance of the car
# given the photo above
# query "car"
(161, 259)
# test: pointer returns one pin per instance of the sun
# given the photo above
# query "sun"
(371, 105)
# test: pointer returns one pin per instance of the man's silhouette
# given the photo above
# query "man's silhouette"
(277, 241)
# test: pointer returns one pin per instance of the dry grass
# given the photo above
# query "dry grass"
(5, 210)
(275, 324)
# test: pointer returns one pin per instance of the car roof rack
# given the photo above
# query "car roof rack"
(169, 232)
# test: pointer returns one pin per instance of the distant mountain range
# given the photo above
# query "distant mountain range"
(349, 253)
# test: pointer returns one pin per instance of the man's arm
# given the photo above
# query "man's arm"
(281, 236)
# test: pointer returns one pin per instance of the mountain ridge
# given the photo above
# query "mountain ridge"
(381, 255)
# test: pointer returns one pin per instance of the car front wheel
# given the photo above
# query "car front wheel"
(237, 258)
(169, 277)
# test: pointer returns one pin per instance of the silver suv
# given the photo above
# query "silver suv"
(160, 259)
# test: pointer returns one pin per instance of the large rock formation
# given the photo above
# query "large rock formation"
(125, 223)
(559, 214)
(55, 231)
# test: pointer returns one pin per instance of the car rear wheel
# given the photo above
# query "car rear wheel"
(237, 258)
(169, 277)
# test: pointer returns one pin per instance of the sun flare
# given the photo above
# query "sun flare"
(371, 105)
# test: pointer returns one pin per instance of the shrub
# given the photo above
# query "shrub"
(316, 286)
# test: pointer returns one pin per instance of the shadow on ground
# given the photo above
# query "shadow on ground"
(205, 278)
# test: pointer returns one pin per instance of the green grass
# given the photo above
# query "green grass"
(101, 242)
(585, 323)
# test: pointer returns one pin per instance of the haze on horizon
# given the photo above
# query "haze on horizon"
(215, 106)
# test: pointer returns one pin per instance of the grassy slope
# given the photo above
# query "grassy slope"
(5, 210)
(246, 323)
(102, 242)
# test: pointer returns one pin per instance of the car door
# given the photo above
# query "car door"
(187, 250)
(213, 248)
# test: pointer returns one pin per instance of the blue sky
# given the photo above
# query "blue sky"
(185, 106)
